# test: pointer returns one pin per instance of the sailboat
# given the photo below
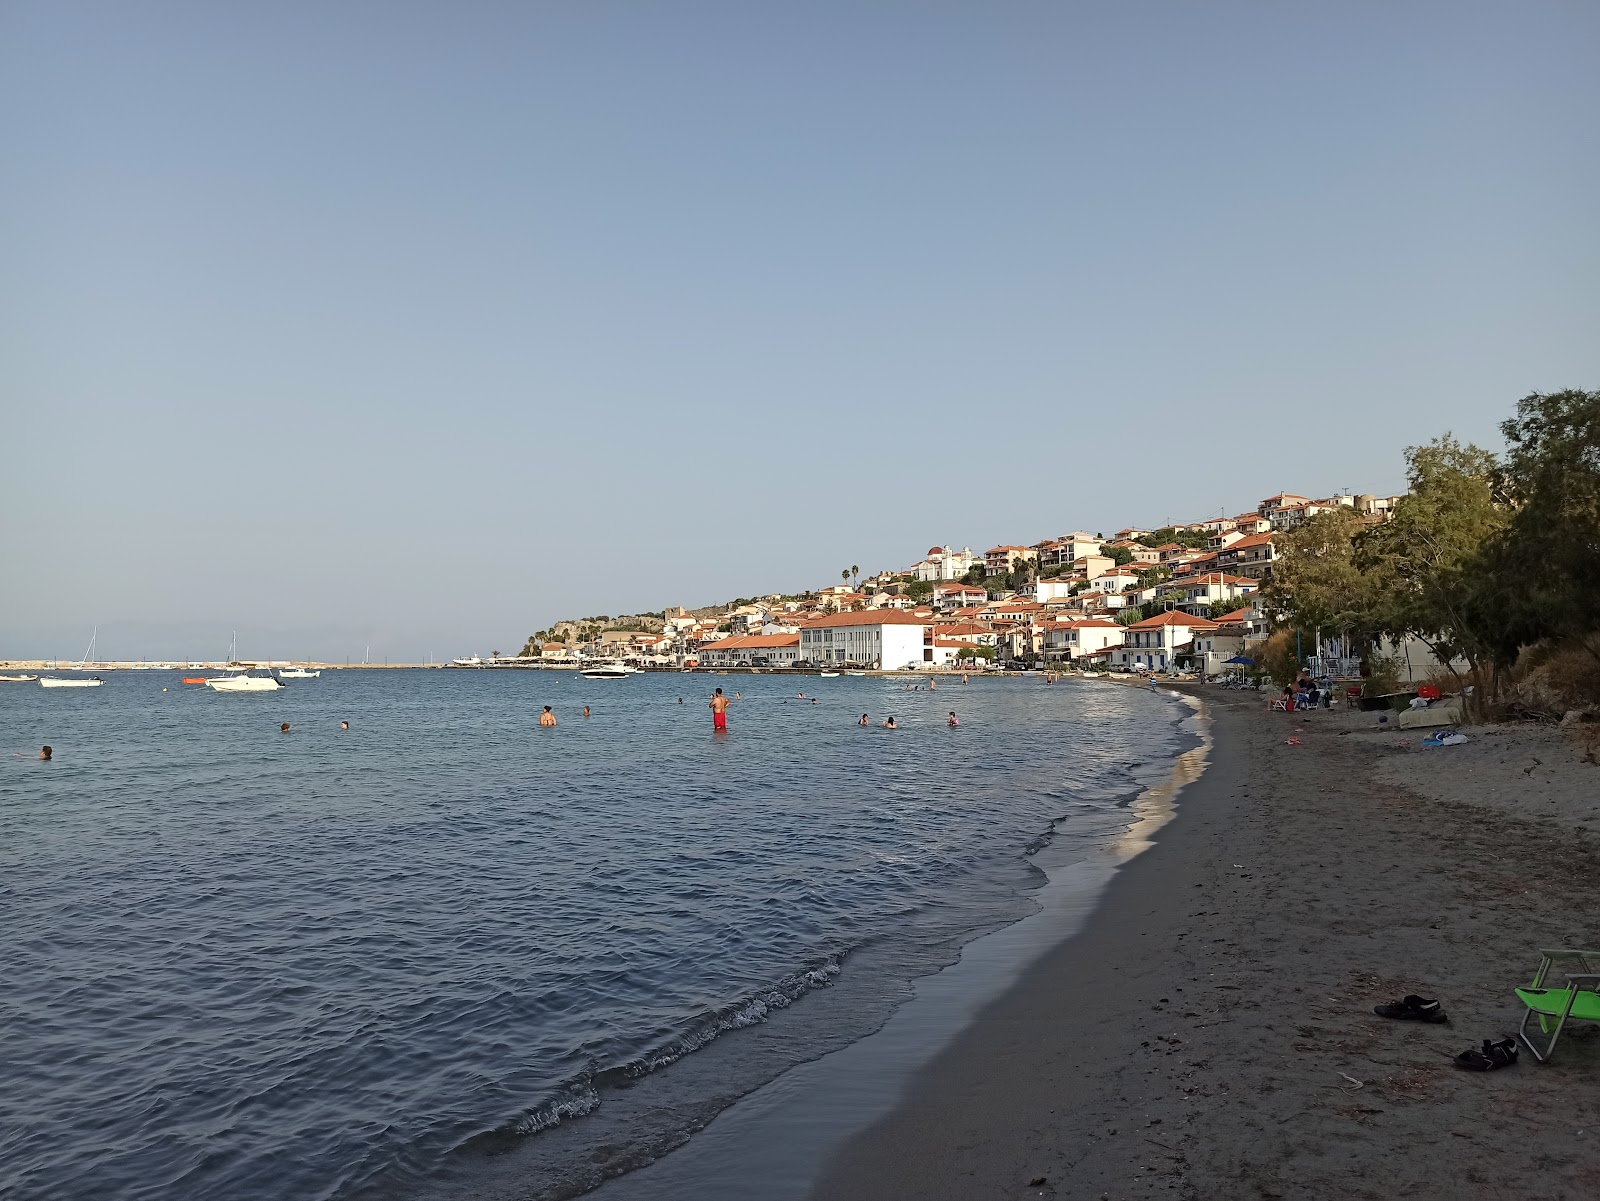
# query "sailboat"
(66, 682)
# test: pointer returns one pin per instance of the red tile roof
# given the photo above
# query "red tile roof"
(878, 617)
(1173, 618)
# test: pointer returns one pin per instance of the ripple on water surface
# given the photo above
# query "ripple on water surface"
(256, 965)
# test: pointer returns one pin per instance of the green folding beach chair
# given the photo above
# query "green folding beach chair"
(1579, 1000)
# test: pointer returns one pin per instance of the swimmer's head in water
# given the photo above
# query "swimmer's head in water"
(547, 708)
(284, 728)
(344, 725)
(46, 752)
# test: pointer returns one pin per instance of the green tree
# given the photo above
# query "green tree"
(1422, 561)
(1315, 579)
(855, 577)
(919, 590)
(1117, 554)
(1539, 577)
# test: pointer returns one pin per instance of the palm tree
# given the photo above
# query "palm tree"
(845, 575)
(856, 572)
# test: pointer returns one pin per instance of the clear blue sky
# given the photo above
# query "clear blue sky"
(425, 325)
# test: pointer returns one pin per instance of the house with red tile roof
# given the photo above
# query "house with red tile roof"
(999, 559)
(1155, 642)
(751, 650)
(1067, 640)
(1250, 556)
(1201, 592)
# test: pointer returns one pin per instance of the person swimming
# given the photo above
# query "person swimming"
(344, 725)
(284, 728)
(46, 754)
(586, 710)
(889, 725)
(863, 721)
(547, 718)
(953, 721)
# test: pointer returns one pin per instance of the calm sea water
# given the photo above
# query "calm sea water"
(325, 964)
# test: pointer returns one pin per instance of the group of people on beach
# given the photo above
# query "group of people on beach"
(1301, 695)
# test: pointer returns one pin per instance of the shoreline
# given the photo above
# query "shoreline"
(1201, 1035)
(773, 1141)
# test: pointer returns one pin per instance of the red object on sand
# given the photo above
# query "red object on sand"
(1428, 692)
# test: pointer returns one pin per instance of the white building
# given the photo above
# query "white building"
(943, 563)
(1074, 639)
(1154, 642)
(882, 640)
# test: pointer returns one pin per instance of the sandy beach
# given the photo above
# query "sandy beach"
(1210, 1033)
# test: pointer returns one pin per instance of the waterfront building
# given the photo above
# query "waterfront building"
(883, 639)
(751, 650)
(1155, 642)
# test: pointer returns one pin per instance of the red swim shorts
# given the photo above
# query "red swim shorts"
(719, 721)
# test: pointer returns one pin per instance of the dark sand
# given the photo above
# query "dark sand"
(1204, 1035)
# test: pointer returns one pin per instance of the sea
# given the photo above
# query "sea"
(447, 952)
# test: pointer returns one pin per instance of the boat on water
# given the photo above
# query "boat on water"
(17, 679)
(299, 673)
(607, 671)
(243, 681)
(829, 675)
(194, 679)
(73, 681)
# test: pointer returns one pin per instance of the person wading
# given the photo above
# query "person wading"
(719, 711)
(547, 718)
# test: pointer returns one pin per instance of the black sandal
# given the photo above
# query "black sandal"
(1494, 1055)
(1412, 1008)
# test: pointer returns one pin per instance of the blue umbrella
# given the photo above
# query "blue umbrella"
(1243, 659)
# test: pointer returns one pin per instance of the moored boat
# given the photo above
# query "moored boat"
(17, 679)
(244, 682)
(298, 673)
(606, 671)
(68, 682)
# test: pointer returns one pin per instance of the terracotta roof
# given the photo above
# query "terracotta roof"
(880, 617)
(1252, 540)
(752, 642)
(1219, 577)
(1234, 618)
(1173, 618)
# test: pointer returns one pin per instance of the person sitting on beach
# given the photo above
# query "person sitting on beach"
(547, 718)
(953, 721)
(863, 721)
(48, 753)
(889, 725)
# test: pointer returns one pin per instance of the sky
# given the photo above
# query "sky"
(404, 330)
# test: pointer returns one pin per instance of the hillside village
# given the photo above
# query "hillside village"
(1153, 600)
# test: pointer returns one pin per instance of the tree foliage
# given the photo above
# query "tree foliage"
(1117, 554)
(1315, 577)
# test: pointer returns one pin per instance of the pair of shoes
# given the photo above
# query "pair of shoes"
(1494, 1055)
(1412, 1008)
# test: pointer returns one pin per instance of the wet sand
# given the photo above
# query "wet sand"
(1209, 1033)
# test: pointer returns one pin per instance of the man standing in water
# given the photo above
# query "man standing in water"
(719, 712)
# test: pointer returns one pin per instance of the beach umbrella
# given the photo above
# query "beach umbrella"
(1244, 659)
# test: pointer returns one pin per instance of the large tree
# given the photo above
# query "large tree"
(1315, 580)
(1424, 561)
(1540, 575)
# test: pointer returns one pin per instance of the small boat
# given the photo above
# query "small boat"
(17, 679)
(606, 671)
(65, 682)
(194, 679)
(243, 682)
(299, 673)
(830, 675)
(853, 673)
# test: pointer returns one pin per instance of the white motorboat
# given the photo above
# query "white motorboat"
(829, 675)
(17, 679)
(299, 673)
(243, 682)
(607, 671)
